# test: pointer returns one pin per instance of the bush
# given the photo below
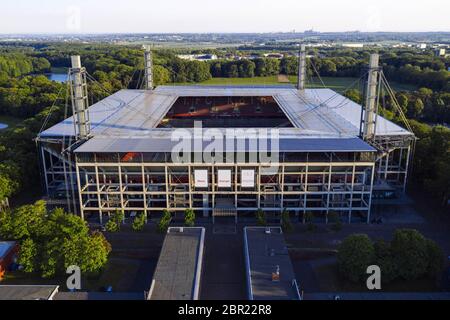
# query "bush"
(409, 256)
(163, 224)
(118, 217)
(409, 248)
(385, 260)
(286, 222)
(355, 254)
(28, 255)
(189, 218)
(139, 222)
(111, 226)
(261, 217)
(436, 259)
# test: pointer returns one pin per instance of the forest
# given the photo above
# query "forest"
(28, 95)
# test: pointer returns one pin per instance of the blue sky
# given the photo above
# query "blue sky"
(116, 16)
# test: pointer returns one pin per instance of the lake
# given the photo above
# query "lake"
(58, 77)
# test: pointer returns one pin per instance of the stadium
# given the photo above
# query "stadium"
(310, 152)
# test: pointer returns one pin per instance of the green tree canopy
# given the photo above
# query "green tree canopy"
(355, 254)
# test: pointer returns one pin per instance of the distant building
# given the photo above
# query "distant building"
(440, 52)
(422, 46)
(274, 55)
(353, 45)
(198, 57)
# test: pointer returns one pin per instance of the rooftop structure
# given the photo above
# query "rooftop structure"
(137, 113)
(270, 275)
(178, 272)
(80, 295)
(27, 292)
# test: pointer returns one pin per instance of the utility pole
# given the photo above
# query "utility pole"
(78, 91)
(301, 68)
(148, 68)
(370, 106)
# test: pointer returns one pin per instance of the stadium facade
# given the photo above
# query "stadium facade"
(308, 151)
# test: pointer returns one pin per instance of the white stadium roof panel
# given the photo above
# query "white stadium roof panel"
(137, 113)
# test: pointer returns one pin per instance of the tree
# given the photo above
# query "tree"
(52, 241)
(289, 66)
(385, 260)
(111, 226)
(189, 218)
(139, 222)
(118, 218)
(328, 68)
(355, 254)
(403, 102)
(415, 108)
(354, 95)
(28, 255)
(286, 221)
(27, 221)
(409, 249)
(95, 252)
(160, 75)
(164, 222)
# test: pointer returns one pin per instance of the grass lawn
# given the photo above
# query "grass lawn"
(271, 80)
(335, 83)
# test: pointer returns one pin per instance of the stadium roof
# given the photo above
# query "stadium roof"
(240, 145)
(323, 120)
(131, 113)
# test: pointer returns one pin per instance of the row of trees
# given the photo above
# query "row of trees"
(423, 105)
(52, 241)
(17, 64)
(408, 256)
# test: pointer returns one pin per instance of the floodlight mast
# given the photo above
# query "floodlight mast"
(370, 105)
(148, 68)
(301, 68)
(78, 90)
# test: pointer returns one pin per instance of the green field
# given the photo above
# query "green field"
(337, 84)
(271, 80)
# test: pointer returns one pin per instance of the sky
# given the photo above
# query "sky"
(204, 16)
